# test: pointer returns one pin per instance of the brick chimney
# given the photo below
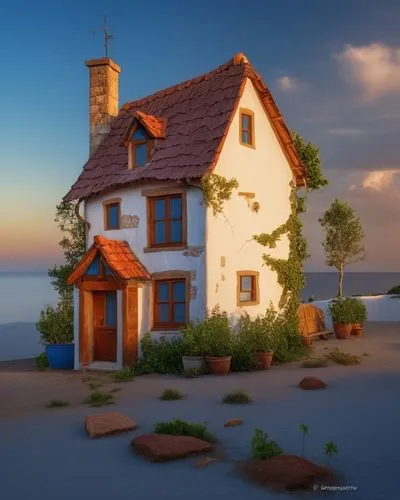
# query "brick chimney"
(103, 98)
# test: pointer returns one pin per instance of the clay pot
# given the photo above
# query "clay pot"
(342, 331)
(265, 360)
(357, 330)
(219, 365)
(307, 341)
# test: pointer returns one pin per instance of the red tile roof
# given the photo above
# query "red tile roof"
(198, 113)
(118, 256)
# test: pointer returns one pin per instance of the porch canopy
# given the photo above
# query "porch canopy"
(106, 314)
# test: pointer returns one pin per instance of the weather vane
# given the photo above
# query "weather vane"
(107, 36)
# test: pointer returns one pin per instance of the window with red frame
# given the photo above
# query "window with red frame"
(170, 303)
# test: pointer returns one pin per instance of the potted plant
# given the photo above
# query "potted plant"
(262, 344)
(57, 334)
(193, 347)
(342, 312)
(360, 316)
(218, 342)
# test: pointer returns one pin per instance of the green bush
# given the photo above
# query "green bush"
(124, 375)
(262, 447)
(347, 310)
(182, 428)
(160, 356)
(237, 397)
(395, 290)
(193, 339)
(218, 336)
(171, 395)
(41, 361)
(56, 325)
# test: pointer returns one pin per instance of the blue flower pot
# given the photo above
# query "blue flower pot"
(60, 356)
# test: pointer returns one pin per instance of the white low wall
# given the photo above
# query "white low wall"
(379, 307)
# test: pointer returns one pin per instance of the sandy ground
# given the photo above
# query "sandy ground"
(45, 452)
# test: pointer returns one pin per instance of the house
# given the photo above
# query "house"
(157, 255)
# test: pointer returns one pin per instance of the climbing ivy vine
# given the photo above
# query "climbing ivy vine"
(290, 271)
(216, 190)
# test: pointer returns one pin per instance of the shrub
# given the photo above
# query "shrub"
(124, 375)
(182, 428)
(171, 395)
(41, 361)
(218, 336)
(262, 447)
(56, 325)
(160, 356)
(347, 311)
(343, 358)
(395, 290)
(193, 339)
(237, 397)
(314, 363)
(99, 399)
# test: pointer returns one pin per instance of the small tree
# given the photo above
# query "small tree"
(303, 428)
(344, 238)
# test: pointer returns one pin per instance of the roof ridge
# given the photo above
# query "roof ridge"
(180, 86)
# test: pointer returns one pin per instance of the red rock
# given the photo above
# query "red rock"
(233, 422)
(104, 424)
(287, 472)
(204, 461)
(311, 383)
(163, 447)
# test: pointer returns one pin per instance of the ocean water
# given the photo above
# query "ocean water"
(23, 296)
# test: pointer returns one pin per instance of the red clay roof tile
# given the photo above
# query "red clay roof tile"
(118, 256)
(194, 117)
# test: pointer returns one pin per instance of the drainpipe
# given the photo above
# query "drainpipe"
(85, 222)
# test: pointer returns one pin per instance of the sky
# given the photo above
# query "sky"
(333, 68)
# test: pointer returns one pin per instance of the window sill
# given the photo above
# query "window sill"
(250, 303)
(179, 248)
(251, 146)
(166, 330)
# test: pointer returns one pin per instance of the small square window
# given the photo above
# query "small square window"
(247, 127)
(247, 288)
(112, 215)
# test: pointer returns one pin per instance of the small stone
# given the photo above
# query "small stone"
(204, 461)
(104, 424)
(164, 447)
(233, 422)
(311, 383)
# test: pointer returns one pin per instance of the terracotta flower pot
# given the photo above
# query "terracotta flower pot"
(265, 360)
(357, 330)
(219, 365)
(342, 331)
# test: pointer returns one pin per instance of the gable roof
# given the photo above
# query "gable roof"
(197, 114)
(118, 256)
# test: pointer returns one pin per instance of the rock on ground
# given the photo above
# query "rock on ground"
(286, 472)
(164, 447)
(233, 422)
(311, 383)
(104, 424)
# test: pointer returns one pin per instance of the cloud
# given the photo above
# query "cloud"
(346, 131)
(375, 68)
(288, 84)
(380, 180)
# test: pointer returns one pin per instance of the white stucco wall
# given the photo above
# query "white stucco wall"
(133, 203)
(265, 172)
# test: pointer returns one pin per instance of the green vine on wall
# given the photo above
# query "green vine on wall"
(216, 190)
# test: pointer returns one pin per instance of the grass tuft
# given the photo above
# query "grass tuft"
(182, 428)
(56, 403)
(124, 375)
(314, 363)
(99, 399)
(237, 397)
(343, 358)
(171, 395)
(41, 362)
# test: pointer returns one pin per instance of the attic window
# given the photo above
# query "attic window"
(247, 128)
(140, 148)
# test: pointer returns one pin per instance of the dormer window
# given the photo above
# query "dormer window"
(141, 146)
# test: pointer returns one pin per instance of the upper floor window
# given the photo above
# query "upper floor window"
(248, 292)
(166, 220)
(247, 127)
(112, 214)
(141, 148)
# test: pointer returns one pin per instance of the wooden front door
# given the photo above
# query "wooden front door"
(105, 326)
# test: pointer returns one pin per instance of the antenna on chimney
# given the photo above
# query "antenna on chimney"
(107, 36)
